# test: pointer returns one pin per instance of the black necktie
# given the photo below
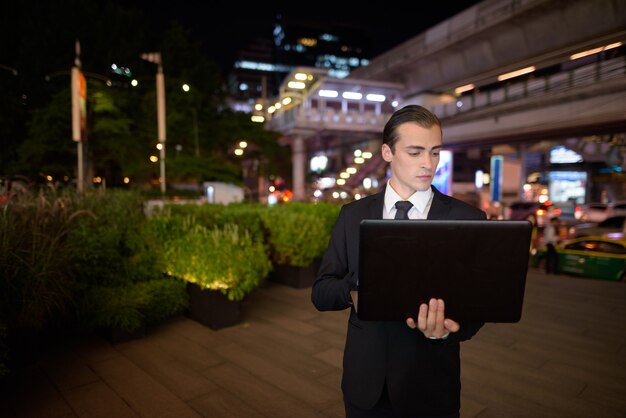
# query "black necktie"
(402, 209)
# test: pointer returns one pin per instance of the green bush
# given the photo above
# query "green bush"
(114, 246)
(223, 258)
(298, 233)
(246, 215)
(131, 306)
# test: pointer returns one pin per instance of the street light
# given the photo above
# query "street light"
(155, 58)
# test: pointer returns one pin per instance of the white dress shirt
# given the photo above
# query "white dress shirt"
(421, 201)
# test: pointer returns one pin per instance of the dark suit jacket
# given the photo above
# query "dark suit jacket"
(422, 375)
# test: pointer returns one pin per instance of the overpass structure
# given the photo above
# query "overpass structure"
(510, 77)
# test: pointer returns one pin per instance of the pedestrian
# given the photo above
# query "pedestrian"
(397, 369)
(551, 239)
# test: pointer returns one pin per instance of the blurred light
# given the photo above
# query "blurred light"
(486, 178)
(154, 158)
(328, 93)
(238, 151)
(336, 195)
(516, 73)
(286, 100)
(463, 89)
(257, 118)
(159, 146)
(357, 196)
(185, 87)
(359, 160)
(126, 180)
(459, 103)
(595, 50)
(351, 170)
(317, 193)
(395, 103)
(343, 195)
(542, 199)
(526, 187)
(258, 106)
(66, 178)
(375, 97)
(134, 83)
(114, 67)
(97, 179)
(300, 76)
(357, 152)
(341, 182)
(479, 177)
(243, 144)
(351, 95)
(49, 178)
(299, 85)
(366, 155)
(109, 84)
(271, 109)
(272, 189)
(277, 105)
(318, 163)
(344, 175)
(367, 183)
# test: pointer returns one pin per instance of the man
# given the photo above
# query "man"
(397, 369)
(551, 239)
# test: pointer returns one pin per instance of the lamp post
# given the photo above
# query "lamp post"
(155, 57)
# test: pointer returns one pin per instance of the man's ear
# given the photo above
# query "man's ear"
(386, 153)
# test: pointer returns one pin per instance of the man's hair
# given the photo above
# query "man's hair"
(410, 113)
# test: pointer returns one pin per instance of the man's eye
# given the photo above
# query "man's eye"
(414, 153)
(435, 154)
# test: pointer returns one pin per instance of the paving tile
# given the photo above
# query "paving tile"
(146, 396)
(171, 371)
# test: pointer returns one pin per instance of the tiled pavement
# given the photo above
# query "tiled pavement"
(565, 358)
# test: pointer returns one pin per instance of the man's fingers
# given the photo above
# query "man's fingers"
(422, 317)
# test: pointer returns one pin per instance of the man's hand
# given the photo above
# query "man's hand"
(432, 322)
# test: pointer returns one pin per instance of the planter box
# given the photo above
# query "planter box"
(293, 276)
(211, 307)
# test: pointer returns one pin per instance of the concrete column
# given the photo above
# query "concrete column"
(298, 159)
(521, 154)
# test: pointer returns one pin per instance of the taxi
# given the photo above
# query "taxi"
(597, 257)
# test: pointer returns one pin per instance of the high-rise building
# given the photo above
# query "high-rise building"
(260, 68)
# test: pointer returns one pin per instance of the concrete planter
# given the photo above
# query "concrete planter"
(294, 276)
(211, 307)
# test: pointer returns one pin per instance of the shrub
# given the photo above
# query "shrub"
(298, 233)
(131, 306)
(226, 259)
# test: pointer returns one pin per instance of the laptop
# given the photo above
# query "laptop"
(477, 267)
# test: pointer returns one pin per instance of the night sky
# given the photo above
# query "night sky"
(223, 27)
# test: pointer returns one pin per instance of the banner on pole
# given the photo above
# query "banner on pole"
(79, 105)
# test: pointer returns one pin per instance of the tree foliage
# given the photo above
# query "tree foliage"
(122, 120)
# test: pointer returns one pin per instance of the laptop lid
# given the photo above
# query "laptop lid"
(477, 267)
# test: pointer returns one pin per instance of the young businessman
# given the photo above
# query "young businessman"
(397, 369)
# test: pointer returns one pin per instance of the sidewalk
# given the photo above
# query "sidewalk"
(566, 358)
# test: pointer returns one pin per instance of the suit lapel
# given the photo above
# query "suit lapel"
(376, 206)
(440, 206)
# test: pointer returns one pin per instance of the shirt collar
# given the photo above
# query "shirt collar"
(419, 199)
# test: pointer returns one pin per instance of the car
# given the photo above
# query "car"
(536, 212)
(612, 224)
(596, 257)
(618, 208)
(592, 212)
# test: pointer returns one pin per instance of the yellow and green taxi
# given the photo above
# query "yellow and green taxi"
(597, 257)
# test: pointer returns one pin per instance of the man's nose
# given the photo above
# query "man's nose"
(427, 161)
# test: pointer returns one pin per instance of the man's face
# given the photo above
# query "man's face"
(415, 160)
